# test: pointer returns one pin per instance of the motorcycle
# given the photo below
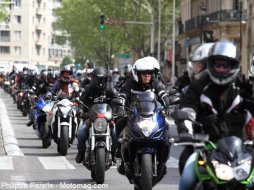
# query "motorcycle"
(98, 156)
(40, 121)
(144, 142)
(224, 165)
(64, 124)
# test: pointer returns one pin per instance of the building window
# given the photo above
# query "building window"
(17, 35)
(4, 49)
(18, 3)
(17, 19)
(17, 50)
(5, 36)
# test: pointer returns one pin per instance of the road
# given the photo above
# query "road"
(39, 168)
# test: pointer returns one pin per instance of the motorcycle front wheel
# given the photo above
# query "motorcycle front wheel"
(146, 178)
(64, 140)
(100, 165)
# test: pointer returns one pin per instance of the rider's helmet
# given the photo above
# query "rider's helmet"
(224, 55)
(43, 75)
(115, 71)
(198, 60)
(65, 74)
(143, 65)
(25, 72)
(51, 76)
(128, 70)
(89, 73)
(99, 78)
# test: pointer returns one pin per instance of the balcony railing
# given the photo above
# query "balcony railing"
(215, 17)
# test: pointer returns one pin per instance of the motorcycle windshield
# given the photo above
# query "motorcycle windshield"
(146, 105)
(103, 109)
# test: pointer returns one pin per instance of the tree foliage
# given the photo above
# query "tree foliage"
(80, 20)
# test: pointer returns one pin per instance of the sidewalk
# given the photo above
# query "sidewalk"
(2, 151)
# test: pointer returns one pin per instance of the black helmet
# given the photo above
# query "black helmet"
(99, 78)
(223, 54)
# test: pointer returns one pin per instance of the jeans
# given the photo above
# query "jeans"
(188, 178)
(83, 135)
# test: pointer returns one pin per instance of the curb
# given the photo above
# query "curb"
(10, 142)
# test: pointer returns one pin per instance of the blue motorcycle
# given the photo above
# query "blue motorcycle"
(145, 143)
(40, 121)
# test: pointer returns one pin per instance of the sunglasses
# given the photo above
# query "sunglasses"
(219, 64)
(146, 72)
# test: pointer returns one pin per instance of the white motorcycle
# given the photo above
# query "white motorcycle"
(64, 125)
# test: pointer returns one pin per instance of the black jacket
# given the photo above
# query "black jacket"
(90, 93)
(220, 109)
(131, 88)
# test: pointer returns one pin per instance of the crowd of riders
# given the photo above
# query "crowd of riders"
(213, 91)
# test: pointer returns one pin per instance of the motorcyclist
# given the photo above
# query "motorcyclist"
(97, 88)
(22, 78)
(214, 101)
(42, 88)
(127, 74)
(64, 87)
(87, 78)
(143, 80)
(196, 68)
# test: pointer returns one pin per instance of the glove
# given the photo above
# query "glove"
(184, 133)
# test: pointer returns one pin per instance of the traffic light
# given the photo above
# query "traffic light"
(102, 26)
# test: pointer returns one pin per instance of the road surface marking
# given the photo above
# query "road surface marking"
(56, 163)
(6, 163)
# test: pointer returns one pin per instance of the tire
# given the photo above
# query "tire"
(93, 175)
(146, 178)
(64, 140)
(100, 165)
(44, 134)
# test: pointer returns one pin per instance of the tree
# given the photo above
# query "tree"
(80, 20)
(66, 61)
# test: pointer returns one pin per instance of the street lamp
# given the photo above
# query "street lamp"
(159, 31)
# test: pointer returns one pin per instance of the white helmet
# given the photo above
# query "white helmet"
(143, 64)
(199, 55)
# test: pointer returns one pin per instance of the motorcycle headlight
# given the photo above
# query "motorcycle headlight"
(147, 126)
(223, 171)
(65, 110)
(100, 125)
(46, 108)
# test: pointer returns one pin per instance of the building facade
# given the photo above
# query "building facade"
(26, 37)
(212, 20)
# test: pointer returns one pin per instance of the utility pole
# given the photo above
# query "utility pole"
(173, 45)
(159, 32)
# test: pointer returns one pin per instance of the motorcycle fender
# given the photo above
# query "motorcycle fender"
(100, 144)
(59, 129)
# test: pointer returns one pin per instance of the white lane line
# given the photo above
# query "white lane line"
(10, 142)
(6, 163)
(56, 163)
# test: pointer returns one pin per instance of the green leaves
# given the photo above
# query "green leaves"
(96, 40)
